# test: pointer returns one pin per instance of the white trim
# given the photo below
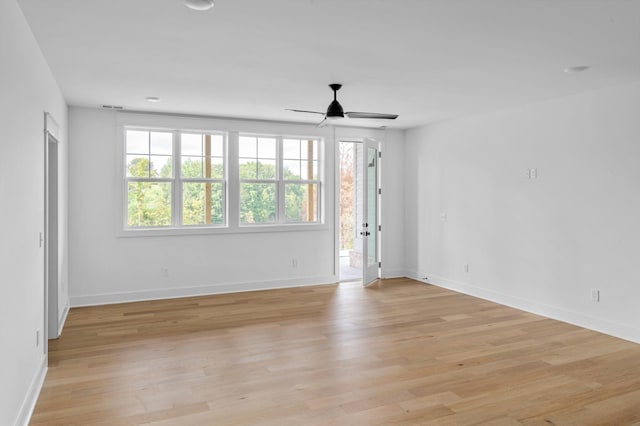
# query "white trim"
(392, 273)
(29, 403)
(222, 288)
(208, 230)
(601, 325)
(63, 318)
(51, 125)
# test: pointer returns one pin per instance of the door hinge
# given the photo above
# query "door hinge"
(379, 191)
(379, 154)
(379, 264)
(379, 227)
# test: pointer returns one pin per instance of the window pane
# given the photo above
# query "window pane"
(137, 166)
(191, 167)
(191, 144)
(257, 203)
(137, 142)
(247, 147)
(217, 145)
(267, 169)
(301, 202)
(149, 204)
(291, 149)
(217, 168)
(161, 143)
(304, 170)
(291, 169)
(161, 166)
(248, 169)
(267, 148)
(304, 151)
(203, 203)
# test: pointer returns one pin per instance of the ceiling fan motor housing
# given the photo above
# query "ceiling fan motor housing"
(335, 110)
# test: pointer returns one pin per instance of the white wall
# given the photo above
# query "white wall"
(108, 268)
(543, 244)
(27, 90)
(392, 214)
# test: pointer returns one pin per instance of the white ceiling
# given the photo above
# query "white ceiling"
(426, 60)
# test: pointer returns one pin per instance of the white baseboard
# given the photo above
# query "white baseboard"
(29, 403)
(170, 293)
(554, 312)
(393, 273)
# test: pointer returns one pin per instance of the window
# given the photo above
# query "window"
(202, 171)
(184, 181)
(258, 179)
(163, 192)
(300, 166)
(149, 157)
(279, 180)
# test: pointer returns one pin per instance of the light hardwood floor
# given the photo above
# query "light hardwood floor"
(400, 352)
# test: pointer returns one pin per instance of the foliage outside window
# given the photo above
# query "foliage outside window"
(279, 180)
(258, 179)
(149, 164)
(202, 172)
(179, 179)
(300, 166)
(158, 186)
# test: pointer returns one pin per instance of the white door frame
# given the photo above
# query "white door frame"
(50, 237)
(371, 274)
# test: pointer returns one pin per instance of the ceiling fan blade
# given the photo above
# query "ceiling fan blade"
(302, 110)
(371, 115)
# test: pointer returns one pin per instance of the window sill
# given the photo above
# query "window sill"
(242, 229)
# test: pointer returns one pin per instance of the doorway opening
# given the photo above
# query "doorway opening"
(51, 238)
(359, 202)
(350, 246)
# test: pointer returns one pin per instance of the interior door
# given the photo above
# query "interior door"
(370, 200)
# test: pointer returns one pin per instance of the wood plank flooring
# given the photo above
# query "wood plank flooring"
(399, 352)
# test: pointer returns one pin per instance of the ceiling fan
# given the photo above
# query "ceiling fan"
(335, 110)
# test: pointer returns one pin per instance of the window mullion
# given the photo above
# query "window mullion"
(233, 180)
(280, 213)
(177, 181)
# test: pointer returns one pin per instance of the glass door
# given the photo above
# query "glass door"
(359, 252)
(370, 225)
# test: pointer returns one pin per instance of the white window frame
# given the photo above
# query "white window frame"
(280, 181)
(176, 184)
(178, 205)
(231, 188)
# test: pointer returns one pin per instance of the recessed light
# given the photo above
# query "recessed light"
(577, 68)
(199, 4)
(153, 99)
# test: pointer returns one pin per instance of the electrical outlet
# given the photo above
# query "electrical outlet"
(595, 295)
(294, 263)
(443, 216)
(533, 173)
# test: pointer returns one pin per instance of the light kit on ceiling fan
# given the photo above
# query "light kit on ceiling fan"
(199, 4)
